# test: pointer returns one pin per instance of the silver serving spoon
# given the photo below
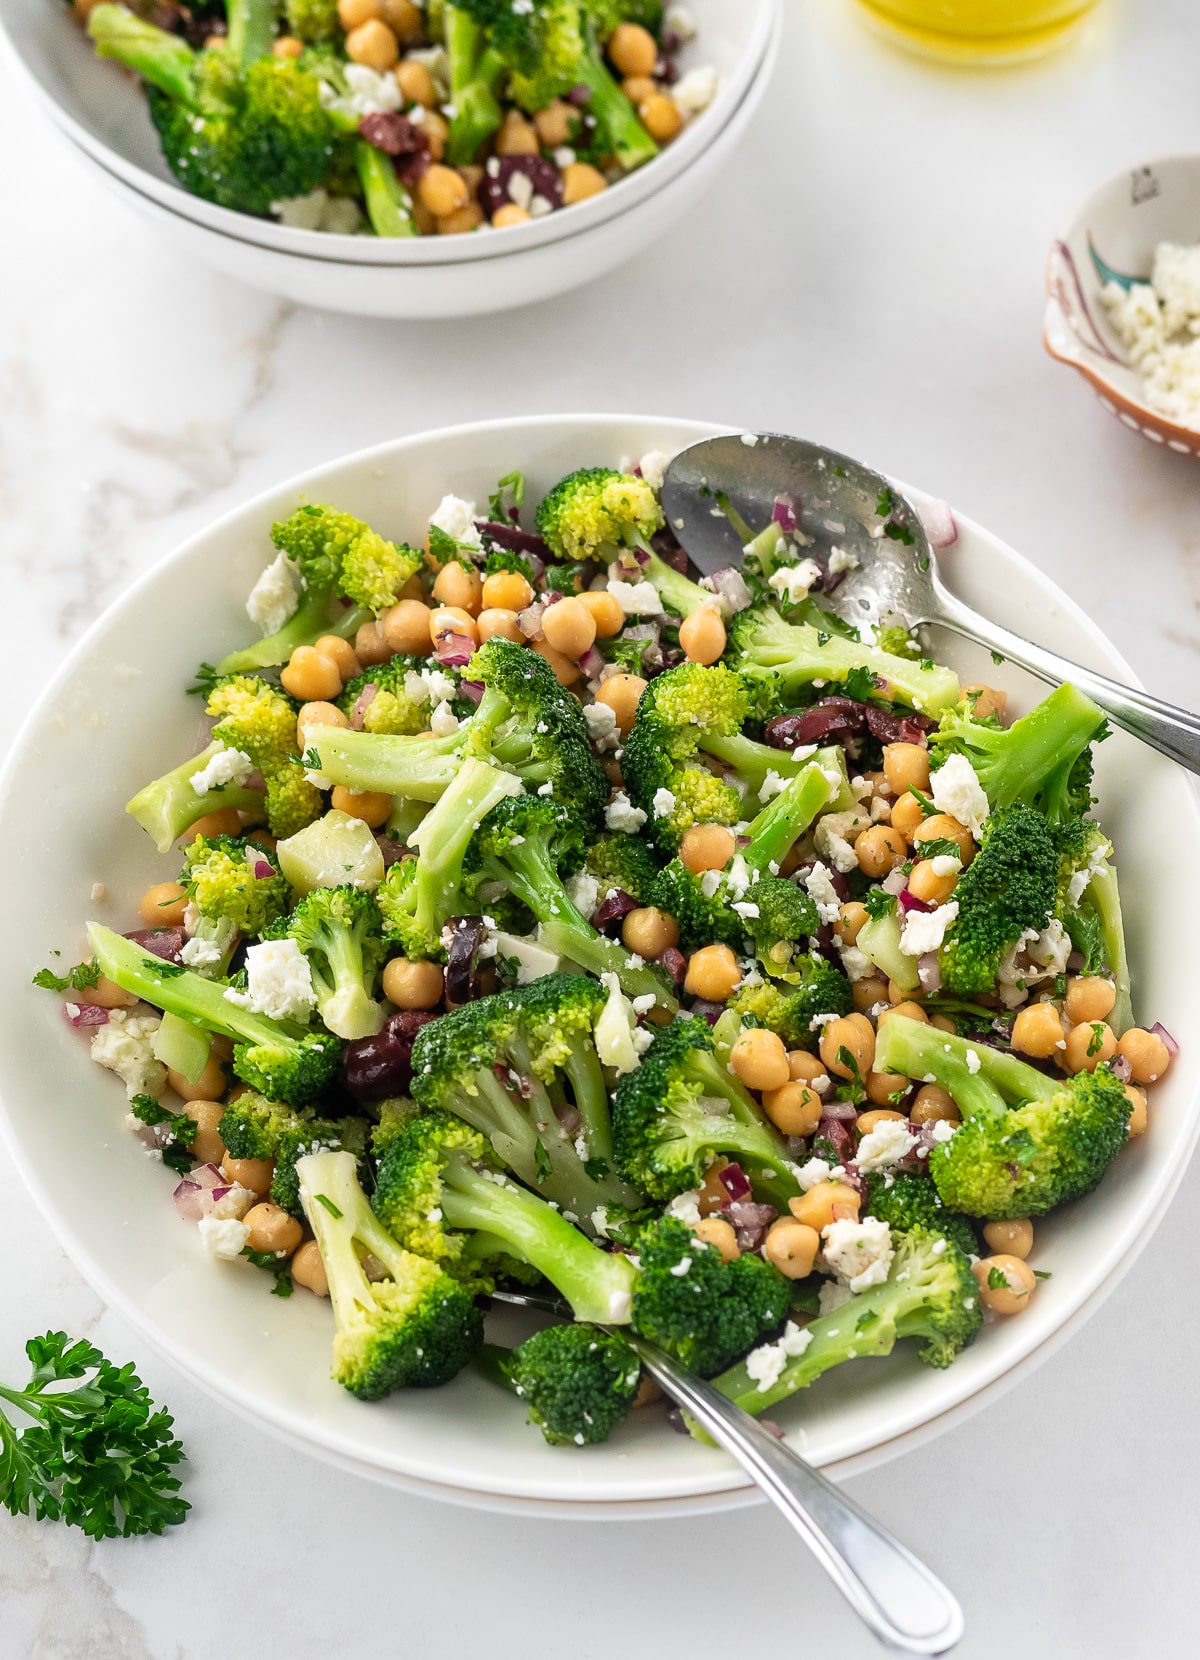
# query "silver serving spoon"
(840, 503)
(897, 1596)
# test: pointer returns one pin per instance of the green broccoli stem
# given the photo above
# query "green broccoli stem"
(475, 73)
(677, 592)
(421, 769)
(251, 29)
(798, 655)
(1017, 759)
(342, 1232)
(165, 60)
(388, 203)
(307, 624)
(339, 981)
(442, 837)
(617, 120)
(989, 1082)
(784, 820)
(166, 807)
(740, 1133)
(598, 1285)
(574, 937)
(1104, 896)
(751, 760)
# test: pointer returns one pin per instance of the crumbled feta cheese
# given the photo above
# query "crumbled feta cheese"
(228, 766)
(885, 1145)
(860, 1253)
(663, 803)
(792, 582)
(841, 559)
(925, 930)
(685, 1207)
(972, 1060)
(710, 881)
(234, 1202)
(774, 783)
(583, 890)
(679, 21)
(636, 599)
(766, 1363)
(223, 1237)
(275, 596)
(621, 814)
(831, 839)
(457, 518)
(653, 465)
(819, 886)
(1078, 884)
(945, 864)
(278, 981)
(599, 1220)
(1158, 324)
(602, 725)
(443, 721)
(740, 876)
(429, 686)
(695, 91)
(955, 789)
(370, 93)
(122, 1044)
(99, 893)
(857, 964)
(941, 1129)
(745, 908)
(206, 949)
(644, 1003)
(680, 1268)
(815, 1171)
(540, 206)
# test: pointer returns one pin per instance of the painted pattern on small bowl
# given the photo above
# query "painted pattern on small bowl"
(1112, 237)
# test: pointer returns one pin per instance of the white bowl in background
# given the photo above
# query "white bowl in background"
(512, 276)
(116, 715)
(103, 110)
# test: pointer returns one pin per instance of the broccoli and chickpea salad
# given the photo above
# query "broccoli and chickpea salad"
(547, 915)
(405, 117)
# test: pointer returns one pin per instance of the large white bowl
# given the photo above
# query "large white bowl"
(115, 716)
(515, 274)
(104, 112)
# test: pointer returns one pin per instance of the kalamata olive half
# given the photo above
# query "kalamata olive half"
(381, 1066)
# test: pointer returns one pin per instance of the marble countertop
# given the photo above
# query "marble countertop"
(869, 272)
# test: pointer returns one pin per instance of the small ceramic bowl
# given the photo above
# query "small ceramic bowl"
(1112, 237)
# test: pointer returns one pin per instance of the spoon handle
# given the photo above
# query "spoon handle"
(1172, 730)
(902, 1602)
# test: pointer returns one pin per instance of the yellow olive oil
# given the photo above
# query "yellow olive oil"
(978, 31)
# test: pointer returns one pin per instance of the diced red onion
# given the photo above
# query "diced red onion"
(910, 902)
(844, 1112)
(529, 621)
(731, 586)
(208, 1175)
(1158, 1030)
(592, 664)
(166, 943)
(785, 514)
(675, 963)
(750, 1222)
(580, 94)
(936, 517)
(707, 1010)
(929, 971)
(362, 703)
(1121, 1069)
(86, 1014)
(455, 651)
(735, 1181)
(837, 1133)
(191, 1200)
(472, 689)
(263, 869)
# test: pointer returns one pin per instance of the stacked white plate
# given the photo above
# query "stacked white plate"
(102, 112)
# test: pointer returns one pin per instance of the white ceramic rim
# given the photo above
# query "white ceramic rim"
(723, 1491)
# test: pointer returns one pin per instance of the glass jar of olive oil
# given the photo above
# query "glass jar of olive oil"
(978, 31)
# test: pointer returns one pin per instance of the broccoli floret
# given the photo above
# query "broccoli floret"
(476, 72)
(417, 897)
(525, 723)
(531, 845)
(908, 1199)
(340, 931)
(930, 1294)
(514, 1066)
(237, 126)
(1028, 1142)
(704, 1310)
(681, 1108)
(442, 1190)
(415, 1329)
(1101, 903)
(315, 22)
(283, 1060)
(1008, 888)
(607, 14)
(253, 1127)
(234, 881)
(391, 711)
(619, 860)
(1042, 760)
(168, 806)
(260, 720)
(792, 656)
(790, 1009)
(579, 1382)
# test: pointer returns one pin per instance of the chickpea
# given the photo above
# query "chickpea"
(926, 884)
(1089, 997)
(287, 46)
(460, 586)
(352, 14)
(224, 822)
(403, 19)
(622, 693)
(506, 591)
(107, 994)
(1005, 1284)
(371, 806)
(1014, 1238)
(461, 221)
(903, 994)
(934, 1105)
(850, 921)
(648, 1392)
(308, 1270)
(805, 1067)
(568, 627)
(632, 50)
(707, 847)
(1147, 1054)
(311, 676)
(271, 1228)
(581, 180)
(405, 627)
(988, 701)
(793, 1108)
(880, 849)
(442, 190)
(825, 1203)
(83, 9)
(374, 45)
(792, 1247)
(941, 827)
(759, 1059)
(1138, 1117)
(854, 1034)
(712, 973)
(252, 1173)
(717, 1232)
(1088, 1045)
(1038, 1031)
(209, 1086)
(906, 767)
(416, 84)
(503, 623)
(413, 985)
(942, 1022)
(163, 905)
(637, 88)
(702, 635)
(317, 714)
(566, 670)
(207, 1148)
(867, 1121)
(907, 815)
(868, 991)
(556, 124)
(451, 619)
(881, 1086)
(341, 653)
(606, 612)
(649, 931)
(517, 137)
(908, 1010)
(661, 116)
(437, 129)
